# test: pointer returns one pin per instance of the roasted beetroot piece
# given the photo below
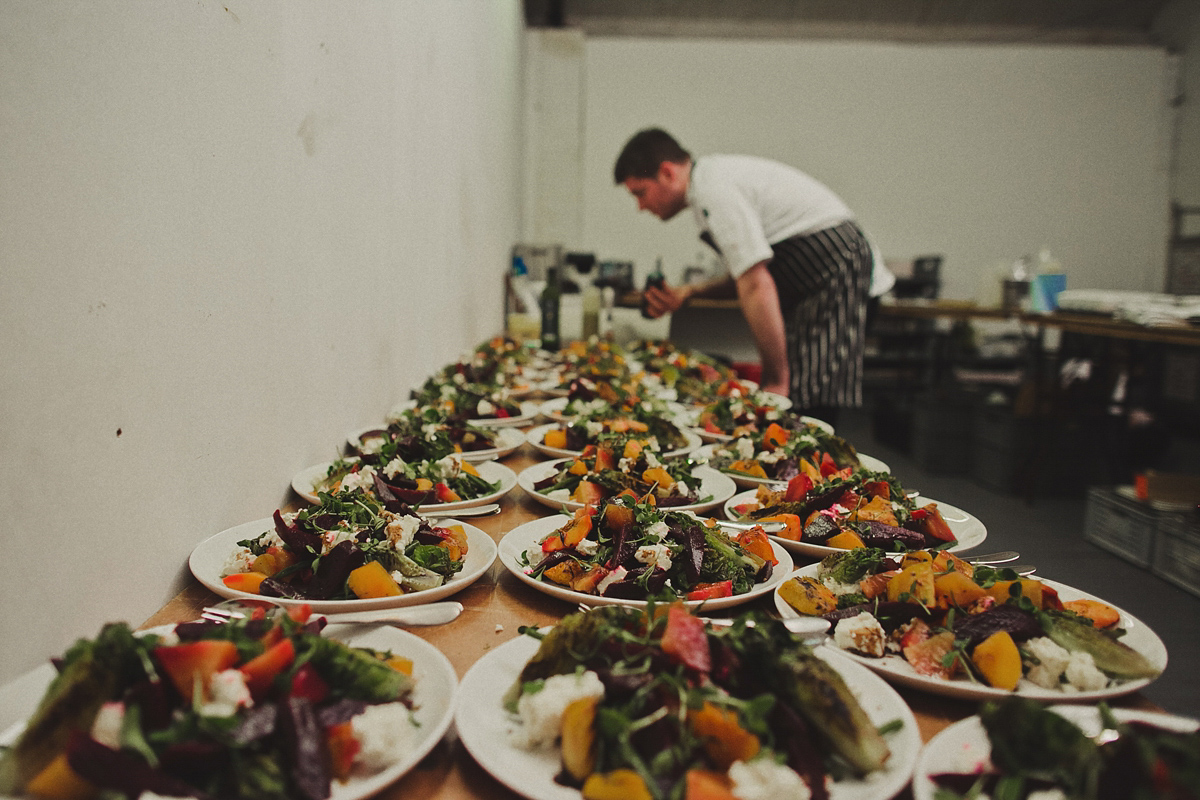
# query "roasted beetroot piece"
(256, 723)
(122, 770)
(1021, 625)
(297, 540)
(891, 615)
(798, 740)
(879, 534)
(334, 569)
(277, 588)
(820, 530)
(304, 743)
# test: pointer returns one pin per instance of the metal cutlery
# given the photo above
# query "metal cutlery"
(1002, 557)
(474, 511)
(426, 614)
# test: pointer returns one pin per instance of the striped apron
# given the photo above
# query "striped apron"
(823, 279)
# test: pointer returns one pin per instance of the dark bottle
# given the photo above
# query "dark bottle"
(550, 300)
(655, 279)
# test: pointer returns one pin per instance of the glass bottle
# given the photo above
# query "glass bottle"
(550, 301)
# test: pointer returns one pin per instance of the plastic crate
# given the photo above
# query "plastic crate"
(1121, 526)
(1177, 552)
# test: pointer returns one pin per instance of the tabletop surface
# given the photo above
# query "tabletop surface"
(495, 606)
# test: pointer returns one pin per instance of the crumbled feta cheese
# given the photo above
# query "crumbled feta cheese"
(656, 555)
(106, 729)
(363, 479)
(483, 407)
(839, 588)
(1082, 673)
(651, 459)
(394, 467)
(626, 464)
(541, 711)
(744, 448)
(237, 562)
(593, 428)
(772, 457)
(559, 494)
(587, 547)
(499, 628)
(773, 414)
(401, 530)
(371, 446)
(658, 530)
(765, 779)
(385, 735)
(332, 539)
(860, 634)
(227, 693)
(458, 378)
(448, 390)
(448, 467)
(616, 575)
(1053, 660)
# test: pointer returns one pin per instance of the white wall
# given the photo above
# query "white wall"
(982, 153)
(231, 232)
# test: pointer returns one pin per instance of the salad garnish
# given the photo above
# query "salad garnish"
(348, 546)
(1036, 752)
(950, 619)
(258, 708)
(653, 703)
(626, 547)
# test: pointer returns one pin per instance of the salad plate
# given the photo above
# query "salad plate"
(306, 481)
(434, 694)
(537, 434)
(485, 728)
(207, 562)
(507, 441)
(714, 485)
(964, 746)
(530, 534)
(968, 529)
(895, 669)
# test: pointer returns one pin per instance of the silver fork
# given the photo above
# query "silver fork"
(427, 614)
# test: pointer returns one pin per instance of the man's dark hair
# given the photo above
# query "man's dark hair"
(644, 153)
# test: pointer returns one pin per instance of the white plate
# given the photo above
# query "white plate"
(712, 483)
(483, 726)
(306, 481)
(535, 435)
(964, 746)
(967, 528)
(895, 669)
(554, 408)
(750, 482)
(507, 441)
(529, 535)
(433, 698)
(209, 557)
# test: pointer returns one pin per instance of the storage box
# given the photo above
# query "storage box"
(941, 437)
(1050, 457)
(1176, 555)
(1121, 526)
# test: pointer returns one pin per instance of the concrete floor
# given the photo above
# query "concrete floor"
(1048, 532)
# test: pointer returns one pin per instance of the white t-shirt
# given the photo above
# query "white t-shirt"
(747, 203)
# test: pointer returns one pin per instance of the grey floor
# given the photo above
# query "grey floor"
(1049, 534)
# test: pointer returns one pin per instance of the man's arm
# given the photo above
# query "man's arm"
(759, 301)
(669, 299)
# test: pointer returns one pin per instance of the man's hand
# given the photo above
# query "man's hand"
(665, 300)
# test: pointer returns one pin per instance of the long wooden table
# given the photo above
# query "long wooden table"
(494, 607)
